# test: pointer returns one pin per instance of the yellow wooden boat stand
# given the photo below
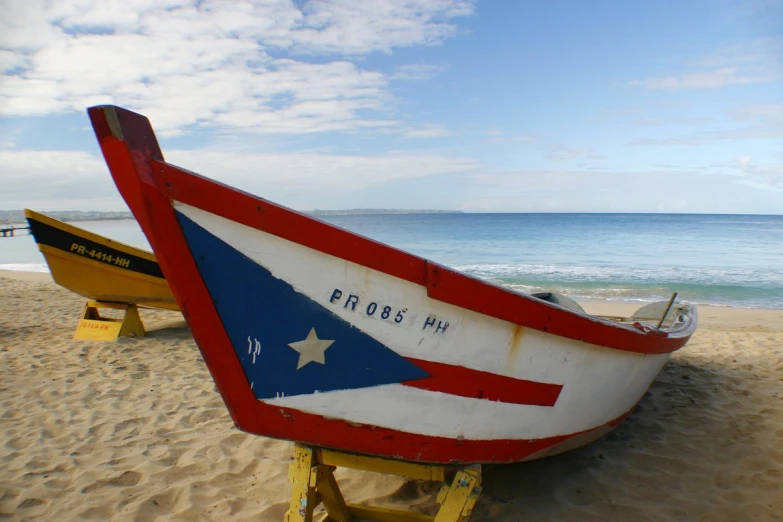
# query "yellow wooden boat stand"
(312, 479)
(93, 326)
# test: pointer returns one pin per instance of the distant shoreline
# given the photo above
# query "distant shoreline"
(16, 217)
(377, 211)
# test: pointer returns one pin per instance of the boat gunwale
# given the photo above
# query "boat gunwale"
(48, 250)
(172, 183)
(92, 236)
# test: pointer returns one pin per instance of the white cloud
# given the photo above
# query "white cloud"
(678, 120)
(498, 136)
(415, 71)
(427, 130)
(768, 114)
(704, 80)
(760, 51)
(664, 190)
(755, 122)
(314, 172)
(32, 178)
(561, 152)
(245, 65)
(378, 25)
(10, 61)
(768, 176)
(679, 140)
(757, 61)
(280, 177)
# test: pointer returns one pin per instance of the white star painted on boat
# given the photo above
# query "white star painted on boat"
(311, 349)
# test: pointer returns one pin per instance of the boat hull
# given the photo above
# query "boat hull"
(99, 268)
(317, 335)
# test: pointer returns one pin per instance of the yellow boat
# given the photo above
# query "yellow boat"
(100, 268)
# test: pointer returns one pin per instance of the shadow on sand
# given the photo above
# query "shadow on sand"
(660, 450)
(168, 330)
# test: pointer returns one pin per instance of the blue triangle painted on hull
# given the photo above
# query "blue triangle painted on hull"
(263, 315)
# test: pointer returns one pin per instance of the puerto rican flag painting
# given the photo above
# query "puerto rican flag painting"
(317, 335)
(275, 330)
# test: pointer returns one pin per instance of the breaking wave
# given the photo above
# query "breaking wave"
(25, 267)
(715, 286)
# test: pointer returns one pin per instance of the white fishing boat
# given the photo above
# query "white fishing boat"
(321, 336)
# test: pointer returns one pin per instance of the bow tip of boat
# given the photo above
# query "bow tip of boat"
(105, 121)
(111, 121)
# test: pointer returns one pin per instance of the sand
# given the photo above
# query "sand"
(135, 430)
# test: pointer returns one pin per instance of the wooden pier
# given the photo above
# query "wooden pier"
(9, 231)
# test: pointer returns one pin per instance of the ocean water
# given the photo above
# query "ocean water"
(729, 260)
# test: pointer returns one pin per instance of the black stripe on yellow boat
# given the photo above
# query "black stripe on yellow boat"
(60, 239)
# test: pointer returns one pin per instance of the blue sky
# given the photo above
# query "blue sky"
(490, 106)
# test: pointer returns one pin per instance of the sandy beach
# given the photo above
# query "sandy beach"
(135, 430)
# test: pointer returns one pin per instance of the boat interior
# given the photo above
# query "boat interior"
(649, 315)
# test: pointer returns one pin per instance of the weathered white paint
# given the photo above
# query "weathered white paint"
(600, 383)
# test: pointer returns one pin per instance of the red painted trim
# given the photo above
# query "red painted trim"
(290, 424)
(258, 213)
(129, 155)
(475, 384)
(145, 191)
(442, 283)
(455, 288)
(140, 192)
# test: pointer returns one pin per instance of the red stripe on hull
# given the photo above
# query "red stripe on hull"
(475, 384)
(125, 136)
(442, 283)
(373, 440)
(258, 213)
(454, 288)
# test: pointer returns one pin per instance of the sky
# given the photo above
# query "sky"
(479, 106)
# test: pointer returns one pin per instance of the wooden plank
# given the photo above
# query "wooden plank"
(313, 482)
(303, 486)
(381, 514)
(461, 497)
(94, 327)
(331, 496)
(467, 511)
(378, 465)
